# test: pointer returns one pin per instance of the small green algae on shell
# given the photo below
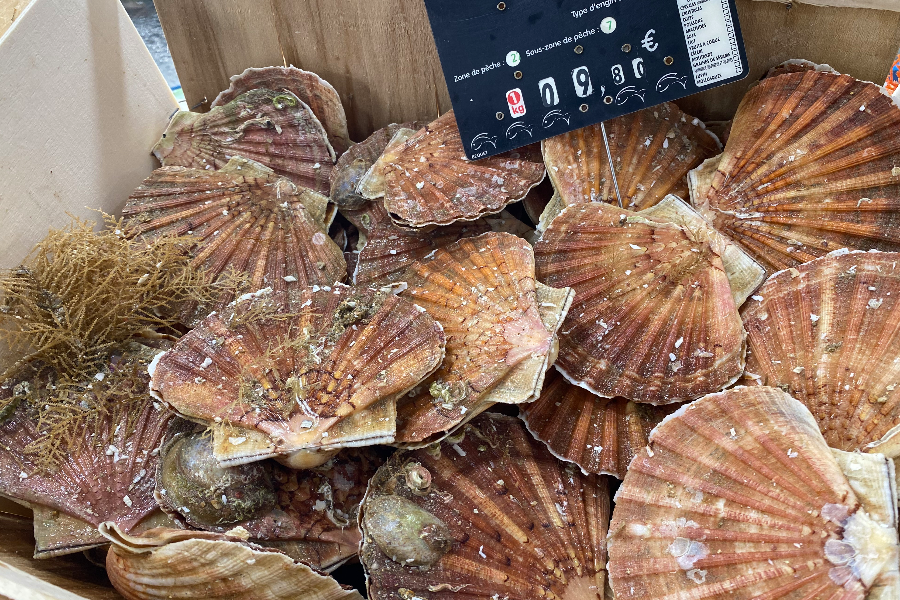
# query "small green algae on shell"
(192, 482)
(486, 513)
(407, 533)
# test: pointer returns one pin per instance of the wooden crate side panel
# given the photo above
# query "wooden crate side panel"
(380, 55)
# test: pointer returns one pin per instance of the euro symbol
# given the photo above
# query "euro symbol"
(648, 42)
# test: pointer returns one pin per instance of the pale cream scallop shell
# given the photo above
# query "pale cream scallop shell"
(172, 563)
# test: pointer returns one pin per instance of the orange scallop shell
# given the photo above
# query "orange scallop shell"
(429, 181)
(314, 91)
(513, 521)
(483, 292)
(739, 496)
(600, 435)
(812, 165)
(387, 251)
(293, 375)
(653, 319)
(653, 150)
(274, 128)
(247, 220)
(828, 333)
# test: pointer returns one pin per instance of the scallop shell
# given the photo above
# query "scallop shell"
(172, 563)
(353, 165)
(811, 166)
(247, 220)
(314, 91)
(317, 506)
(744, 274)
(482, 291)
(388, 250)
(828, 333)
(58, 534)
(653, 319)
(600, 435)
(537, 200)
(429, 181)
(119, 452)
(490, 514)
(292, 376)
(274, 128)
(739, 495)
(797, 65)
(653, 150)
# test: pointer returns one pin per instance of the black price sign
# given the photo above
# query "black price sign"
(524, 70)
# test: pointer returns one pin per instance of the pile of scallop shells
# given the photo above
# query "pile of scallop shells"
(724, 339)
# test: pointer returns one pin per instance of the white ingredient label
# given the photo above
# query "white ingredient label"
(711, 40)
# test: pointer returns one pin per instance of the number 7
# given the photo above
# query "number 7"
(581, 77)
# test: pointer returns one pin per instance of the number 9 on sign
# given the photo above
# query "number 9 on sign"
(581, 77)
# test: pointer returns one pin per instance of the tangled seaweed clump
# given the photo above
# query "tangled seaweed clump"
(74, 311)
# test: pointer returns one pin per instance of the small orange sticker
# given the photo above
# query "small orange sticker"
(893, 78)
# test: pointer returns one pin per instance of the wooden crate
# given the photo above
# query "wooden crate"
(380, 56)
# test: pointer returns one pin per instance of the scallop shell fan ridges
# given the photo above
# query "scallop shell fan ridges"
(314, 91)
(812, 165)
(483, 292)
(352, 165)
(389, 250)
(274, 128)
(293, 374)
(828, 333)
(653, 150)
(429, 181)
(653, 318)
(487, 514)
(118, 453)
(600, 435)
(739, 496)
(173, 563)
(247, 220)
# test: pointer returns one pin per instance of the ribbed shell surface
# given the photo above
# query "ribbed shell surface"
(519, 523)
(388, 250)
(108, 475)
(737, 496)
(828, 333)
(482, 291)
(172, 563)
(293, 374)
(247, 220)
(652, 149)
(352, 165)
(653, 318)
(274, 128)
(600, 435)
(812, 165)
(314, 91)
(429, 181)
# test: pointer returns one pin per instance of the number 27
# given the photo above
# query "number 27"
(581, 77)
